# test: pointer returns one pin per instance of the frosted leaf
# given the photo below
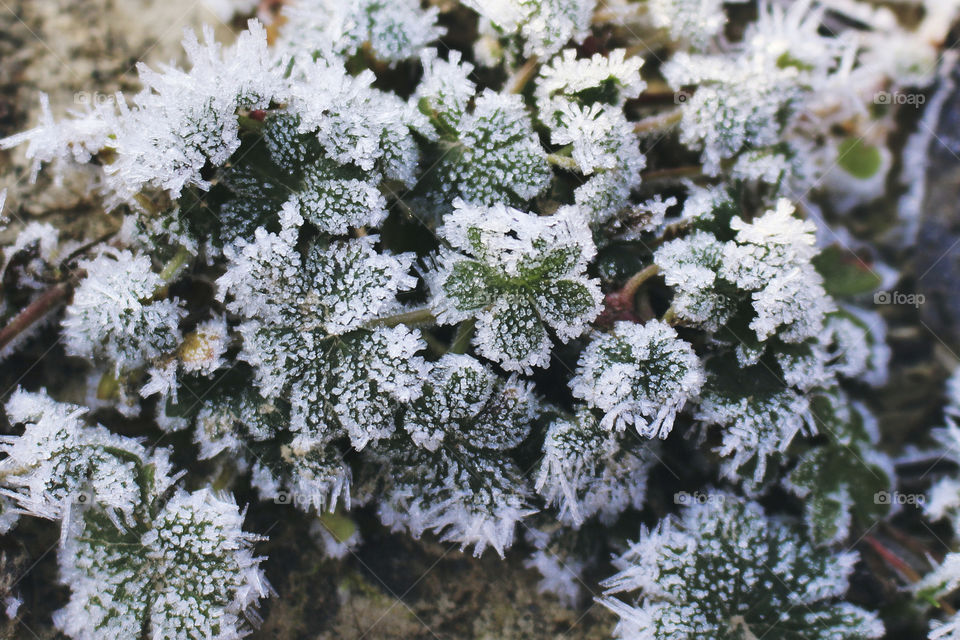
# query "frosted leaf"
(353, 122)
(703, 204)
(697, 22)
(771, 258)
(639, 375)
(545, 25)
(587, 471)
(184, 119)
(445, 88)
(337, 198)
(599, 80)
(691, 266)
(454, 476)
(493, 154)
(519, 274)
(737, 103)
(300, 332)
(356, 384)
(59, 464)
(334, 289)
(472, 496)
(463, 399)
(858, 339)
(227, 420)
(600, 139)
(393, 30)
(66, 143)
(839, 480)
(723, 570)
(190, 574)
(114, 315)
(758, 419)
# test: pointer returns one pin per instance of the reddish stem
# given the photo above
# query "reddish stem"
(34, 311)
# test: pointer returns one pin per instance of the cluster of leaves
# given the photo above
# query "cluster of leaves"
(364, 270)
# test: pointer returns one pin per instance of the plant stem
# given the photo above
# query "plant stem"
(36, 310)
(518, 81)
(564, 162)
(422, 316)
(463, 336)
(674, 173)
(630, 287)
(658, 122)
(172, 268)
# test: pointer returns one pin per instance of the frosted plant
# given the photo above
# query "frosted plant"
(356, 269)
(135, 560)
(944, 503)
(544, 25)
(393, 31)
(638, 375)
(586, 470)
(484, 155)
(840, 480)
(582, 102)
(518, 275)
(353, 122)
(698, 21)
(303, 332)
(771, 258)
(115, 316)
(691, 266)
(461, 427)
(760, 417)
(723, 570)
(768, 262)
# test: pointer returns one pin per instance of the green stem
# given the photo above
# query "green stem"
(416, 317)
(461, 340)
(630, 287)
(519, 80)
(659, 122)
(564, 162)
(173, 266)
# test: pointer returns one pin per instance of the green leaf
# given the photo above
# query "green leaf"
(844, 274)
(859, 159)
(469, 285)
